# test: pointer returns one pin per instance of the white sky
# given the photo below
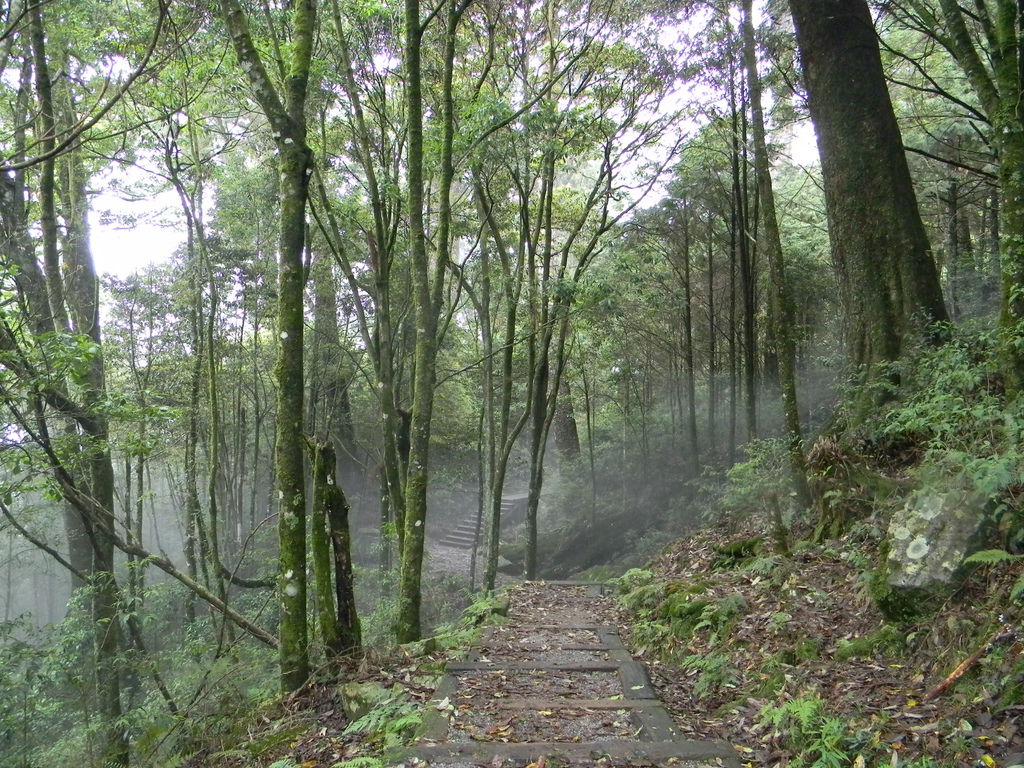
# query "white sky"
(150, 236)
(803, 145)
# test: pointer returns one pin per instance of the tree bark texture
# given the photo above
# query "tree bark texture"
(287, 117)
(772, 247)
(880, 250)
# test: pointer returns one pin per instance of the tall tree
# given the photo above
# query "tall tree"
(428, 290)
(887, 275)
(986, 39)
(285, 110)
(782, 303)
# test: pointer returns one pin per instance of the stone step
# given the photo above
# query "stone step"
(461, 719)
(457, 540)
(457, 534)
(679, 754)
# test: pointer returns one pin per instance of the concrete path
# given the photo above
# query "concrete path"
(554, 688)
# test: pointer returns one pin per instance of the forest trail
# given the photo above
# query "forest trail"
(554, 687)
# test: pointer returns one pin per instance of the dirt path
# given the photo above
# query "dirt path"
(554, 688)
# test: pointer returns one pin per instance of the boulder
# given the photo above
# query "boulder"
(359, 698)
(928, 540)
(418, 648)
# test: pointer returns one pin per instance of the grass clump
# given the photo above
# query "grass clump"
(887, 640)
(736, 553)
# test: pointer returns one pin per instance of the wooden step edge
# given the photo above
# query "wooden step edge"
(555, 705)
(529, 666)
(712, 753)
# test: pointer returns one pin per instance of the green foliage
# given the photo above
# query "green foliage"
(388, 725)
(669, 614)
(483, 608)
(898, 605)
(751, 482)
(281, 735)
(994, 557)
(360, 762)
(47, 705)
(643, 599)
(716, 673)
(807, 649)
(631, 579)
(887, 640)
(955, 411)
(735, 553)
(817, 739)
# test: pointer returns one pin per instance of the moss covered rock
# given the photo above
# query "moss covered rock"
(359, 698)
(927, 541)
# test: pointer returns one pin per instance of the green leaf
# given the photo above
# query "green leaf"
(990, 556)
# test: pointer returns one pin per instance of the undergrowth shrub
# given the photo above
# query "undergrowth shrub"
(818, 739)
(389, 724)
(716, 673)
(954, 410)
(750, 483)
(669, 614)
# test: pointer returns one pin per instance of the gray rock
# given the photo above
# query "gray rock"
(928, 541)
(417, 648)
(359, 698)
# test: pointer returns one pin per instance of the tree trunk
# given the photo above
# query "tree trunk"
(83, 304)
(712, 334)
(688, 357)
(286, 114)
(887, 275)
(567, 437)
(783, 305)
(748, 285)
(336, 612)
(428, 291)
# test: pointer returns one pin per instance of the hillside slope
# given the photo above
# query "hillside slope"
(789, 658)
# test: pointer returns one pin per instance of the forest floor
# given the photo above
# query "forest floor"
(789, 656)
(786, 659)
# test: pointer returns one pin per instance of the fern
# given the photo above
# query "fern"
(1018, 590)
(715, 673)
(992, 556)
(360, 762)
(820, 741)
(389, 723)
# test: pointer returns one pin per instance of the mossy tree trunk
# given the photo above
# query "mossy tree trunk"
(72, 290)
(772, 247)
(286, 113)
(987, 41)
(83, 304)
(335, 598)
(428, 293)
(887, 275)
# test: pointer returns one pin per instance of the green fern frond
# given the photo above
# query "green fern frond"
(992, 556)
(1018, 589)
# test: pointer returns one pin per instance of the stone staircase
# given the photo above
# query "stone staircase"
(462, 536)
(554, 687)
